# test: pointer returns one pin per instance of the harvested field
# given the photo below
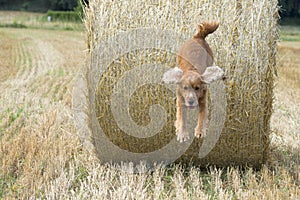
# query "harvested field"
(36, 105)
(41, 156)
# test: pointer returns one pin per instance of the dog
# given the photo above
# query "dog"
(195, 72)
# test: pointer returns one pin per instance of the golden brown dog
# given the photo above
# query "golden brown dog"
(195, 60)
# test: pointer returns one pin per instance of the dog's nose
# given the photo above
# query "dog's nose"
(191, 102)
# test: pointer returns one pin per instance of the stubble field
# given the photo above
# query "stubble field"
(41, 156)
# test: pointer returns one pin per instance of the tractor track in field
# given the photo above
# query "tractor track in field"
(42, 68)
(36, 58)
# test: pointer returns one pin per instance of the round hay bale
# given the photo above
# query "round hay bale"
(124, 112)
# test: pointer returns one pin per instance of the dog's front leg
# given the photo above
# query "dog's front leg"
(181, 123)
(200, 130)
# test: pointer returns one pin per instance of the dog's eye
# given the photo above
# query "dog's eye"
(197, 88)
(185, 87)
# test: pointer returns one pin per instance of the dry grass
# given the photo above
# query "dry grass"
(36, 121)
(7, 44)
(41, 157)
(285, 121)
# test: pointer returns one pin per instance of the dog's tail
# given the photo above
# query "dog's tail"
(206, 28)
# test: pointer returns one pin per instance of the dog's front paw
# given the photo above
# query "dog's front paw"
(203, 133)
(183, 136)
(199, 133)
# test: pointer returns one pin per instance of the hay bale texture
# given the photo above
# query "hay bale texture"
(244, 46)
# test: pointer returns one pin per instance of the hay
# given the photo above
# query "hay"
(244, 45)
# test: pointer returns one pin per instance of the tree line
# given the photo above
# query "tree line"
(39, 5)
(289, 8)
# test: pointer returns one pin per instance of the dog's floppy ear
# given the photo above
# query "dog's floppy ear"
(173, 75)
(213, 73)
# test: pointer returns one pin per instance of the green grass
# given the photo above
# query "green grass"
(13, 25)
(290, 33)
(14, 19)
(6, 181)
(11, 114)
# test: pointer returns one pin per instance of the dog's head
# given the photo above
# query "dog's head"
(192, 86)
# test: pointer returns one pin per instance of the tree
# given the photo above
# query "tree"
(290, 8)
(38, 5)
(63, 4)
